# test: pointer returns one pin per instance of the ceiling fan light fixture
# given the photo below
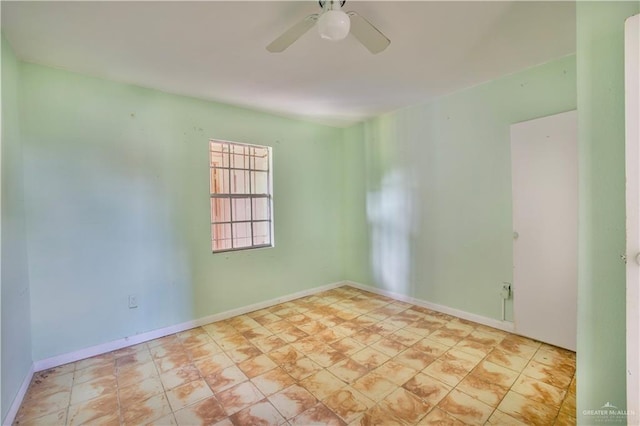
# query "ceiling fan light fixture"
(334, 25)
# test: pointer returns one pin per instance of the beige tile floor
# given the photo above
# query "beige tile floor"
(340, 357)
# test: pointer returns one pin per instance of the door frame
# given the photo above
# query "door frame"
(632, 160)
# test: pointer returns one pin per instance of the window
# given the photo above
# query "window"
(241, 196)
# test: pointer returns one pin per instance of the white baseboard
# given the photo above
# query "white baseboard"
(501, 325)
(102, 348)
(17, 401)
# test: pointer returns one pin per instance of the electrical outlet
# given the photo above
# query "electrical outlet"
(506, 290)
(133, 301)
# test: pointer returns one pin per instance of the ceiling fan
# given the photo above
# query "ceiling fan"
(334, 25)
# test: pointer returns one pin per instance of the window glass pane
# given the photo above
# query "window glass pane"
(241, 209)
(259, 183)
(261, 208)
(221, 236)
(241, 235)
(261, 233)
(220, 210)
(242, 171)
(240, 156)
(239, 182)
(219, 181)
(260, 158)
(219, 154)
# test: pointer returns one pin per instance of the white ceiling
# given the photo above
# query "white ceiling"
(216, 50)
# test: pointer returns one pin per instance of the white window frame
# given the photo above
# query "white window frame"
(250, 196)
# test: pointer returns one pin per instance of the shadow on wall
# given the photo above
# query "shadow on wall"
(394, 179)
(391, 217)
(102, 227)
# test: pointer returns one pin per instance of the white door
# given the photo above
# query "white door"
(632, 100)
(544, 166)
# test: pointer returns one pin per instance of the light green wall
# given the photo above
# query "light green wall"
(16, 321)
(601, 281)
(432, 204)
(355, 235)
(117, 203)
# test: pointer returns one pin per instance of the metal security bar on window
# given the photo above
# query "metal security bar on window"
(241, 196)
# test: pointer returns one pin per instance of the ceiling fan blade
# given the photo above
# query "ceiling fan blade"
(292, 34)
(367, 34)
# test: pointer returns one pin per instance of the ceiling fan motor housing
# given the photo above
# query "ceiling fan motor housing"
(333, 4)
